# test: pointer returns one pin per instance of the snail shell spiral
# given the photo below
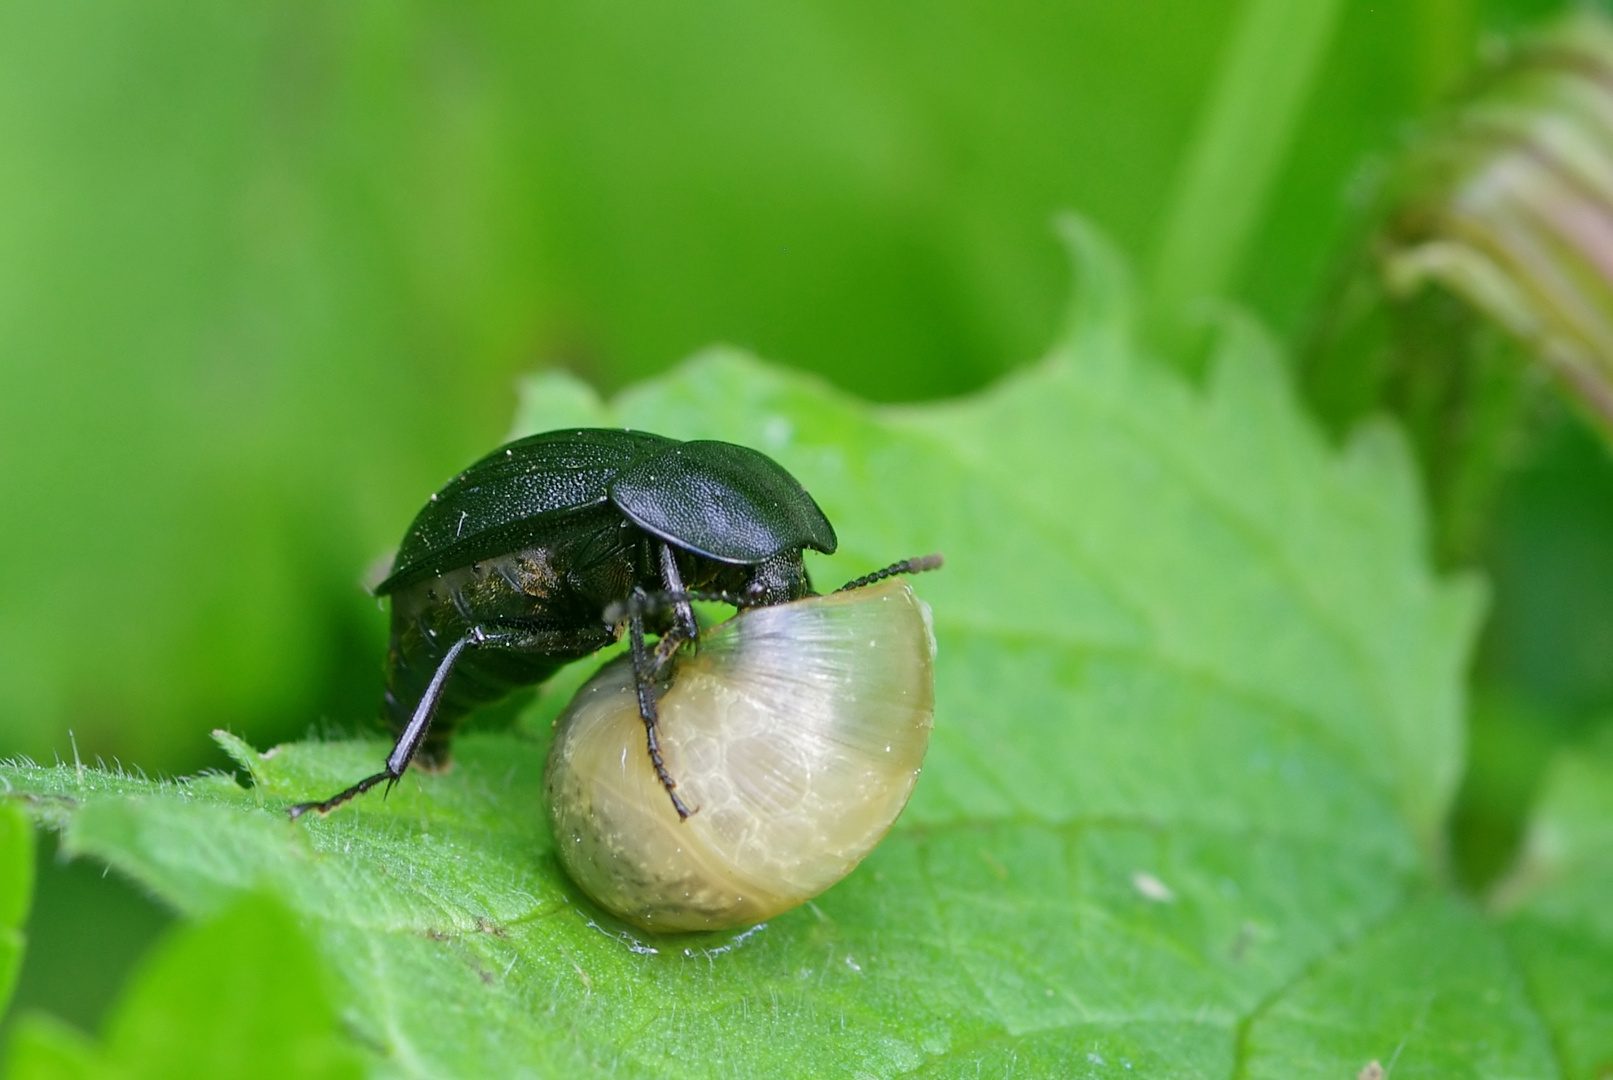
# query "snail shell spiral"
(796, 731)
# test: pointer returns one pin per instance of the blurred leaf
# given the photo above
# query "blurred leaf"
(16, 892)
(1509, 748)
(44, 1048)
(240, 995)
(1551, 547)
(86, 931)
(267, 271)
(16, 867)
(1558, 921)
(1197, 730)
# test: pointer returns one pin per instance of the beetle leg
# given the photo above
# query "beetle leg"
(414, 734)
(684, 629)
(644, 682)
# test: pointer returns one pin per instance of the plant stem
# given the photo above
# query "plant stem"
(1242, 141)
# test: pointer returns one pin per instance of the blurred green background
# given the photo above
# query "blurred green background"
(268, 273)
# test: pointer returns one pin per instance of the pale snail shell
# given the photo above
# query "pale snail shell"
(795, 731)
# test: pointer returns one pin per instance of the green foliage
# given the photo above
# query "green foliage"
(86, 930)
(1430, 993)
(1198, 729)
(16, 890)
(1558, 920)
(1451, 321)
(266, 275)
(267, 271)
(240, 995)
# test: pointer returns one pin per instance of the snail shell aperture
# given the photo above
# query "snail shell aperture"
(795, 731)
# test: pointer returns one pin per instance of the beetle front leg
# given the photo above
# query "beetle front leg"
(414, 734)
(644, 672)
(684, 629)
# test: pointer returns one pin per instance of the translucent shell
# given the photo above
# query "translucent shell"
(796, 732)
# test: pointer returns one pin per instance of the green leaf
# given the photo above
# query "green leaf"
(1431, 993)
(44, 1048)
(1438, 992)
(1197, 732)
(1557, 917)
(241, 995)
(16, 892)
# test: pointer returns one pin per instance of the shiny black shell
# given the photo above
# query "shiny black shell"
(534, 542)
(711, 499)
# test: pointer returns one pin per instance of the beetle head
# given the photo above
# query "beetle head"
(777, 580)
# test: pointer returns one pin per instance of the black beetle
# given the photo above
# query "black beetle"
(539, 553)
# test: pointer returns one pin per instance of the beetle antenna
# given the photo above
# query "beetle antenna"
(644, 603)
(906, 566)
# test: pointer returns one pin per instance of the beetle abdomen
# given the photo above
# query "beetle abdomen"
(796, 732)
(520, 593)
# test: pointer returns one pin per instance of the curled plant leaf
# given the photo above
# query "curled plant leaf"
(1510, 205)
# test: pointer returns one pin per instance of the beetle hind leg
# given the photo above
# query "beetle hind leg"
(327, 805)
(414, 734)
